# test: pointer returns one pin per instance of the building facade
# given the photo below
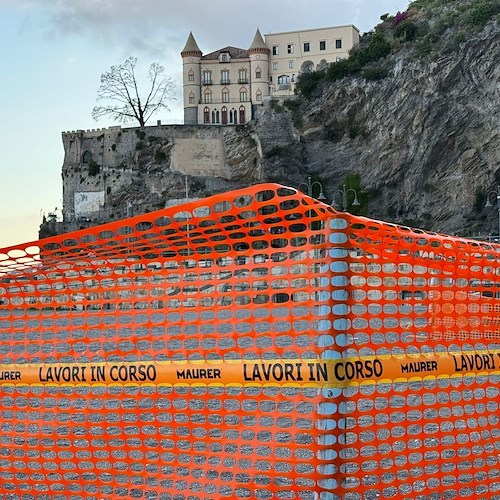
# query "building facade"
(225, 86)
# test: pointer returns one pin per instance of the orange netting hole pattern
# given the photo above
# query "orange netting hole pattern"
(256, 344)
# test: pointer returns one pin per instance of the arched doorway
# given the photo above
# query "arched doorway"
(242, 118)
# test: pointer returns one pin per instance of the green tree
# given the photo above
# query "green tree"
(124, 101)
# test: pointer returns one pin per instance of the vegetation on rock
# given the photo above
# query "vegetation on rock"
(428, 28)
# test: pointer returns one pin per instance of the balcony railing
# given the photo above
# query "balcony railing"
(242, 80)
(227, 101)
(207, 82)
(225, 81)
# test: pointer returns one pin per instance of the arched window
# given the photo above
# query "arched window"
(225, 94)
(87, 156)
(307, 66)
(191, 98)
(215, 116)
(258, 95)
(207, 96)
(191, 76)
(233, 117)
(283, 79)
(242, 118)
(224, 115)
(243, 94)
(258, 73)
(206, 115)
(322, 65)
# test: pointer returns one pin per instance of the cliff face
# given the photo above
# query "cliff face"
(425, 141)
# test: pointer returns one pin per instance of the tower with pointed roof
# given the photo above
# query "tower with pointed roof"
(217, 86)
(259, 68)
(191, 76)
(229, 85)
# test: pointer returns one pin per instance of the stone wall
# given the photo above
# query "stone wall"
(114, 172)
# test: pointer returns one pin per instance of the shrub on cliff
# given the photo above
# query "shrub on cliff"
(406, 31)
(307, 82)
(341, 69)
(376, 72)
(377, 48)
(482, 12)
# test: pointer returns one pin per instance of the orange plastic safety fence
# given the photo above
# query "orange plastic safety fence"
(255, 344)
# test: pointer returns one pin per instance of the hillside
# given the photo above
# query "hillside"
(412, 121)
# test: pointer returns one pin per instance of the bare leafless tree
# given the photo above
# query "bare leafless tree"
(120, 88)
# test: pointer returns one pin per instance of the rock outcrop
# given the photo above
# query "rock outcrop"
(424, 141)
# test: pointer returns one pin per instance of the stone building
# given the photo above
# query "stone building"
(226, 86)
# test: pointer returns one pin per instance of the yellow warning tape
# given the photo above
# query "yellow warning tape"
(302, 373)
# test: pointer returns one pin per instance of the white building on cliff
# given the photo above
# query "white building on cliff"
(225, 86)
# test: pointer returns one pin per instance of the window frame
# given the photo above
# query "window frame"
(242, 75)
(205, 80)
(224, 76)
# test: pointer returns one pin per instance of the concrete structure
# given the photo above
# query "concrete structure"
(226, 86)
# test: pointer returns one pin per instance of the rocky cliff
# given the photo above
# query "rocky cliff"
(423, 141)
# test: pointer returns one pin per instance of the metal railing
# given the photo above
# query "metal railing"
(220, 101)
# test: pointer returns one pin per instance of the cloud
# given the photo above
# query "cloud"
(155, 27)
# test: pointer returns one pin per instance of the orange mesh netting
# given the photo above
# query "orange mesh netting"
(255, 344)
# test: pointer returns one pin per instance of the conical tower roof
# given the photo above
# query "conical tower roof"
(258, 41)
(191, 47)
(258, 44)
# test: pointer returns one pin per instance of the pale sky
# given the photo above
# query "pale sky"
(54, 52)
